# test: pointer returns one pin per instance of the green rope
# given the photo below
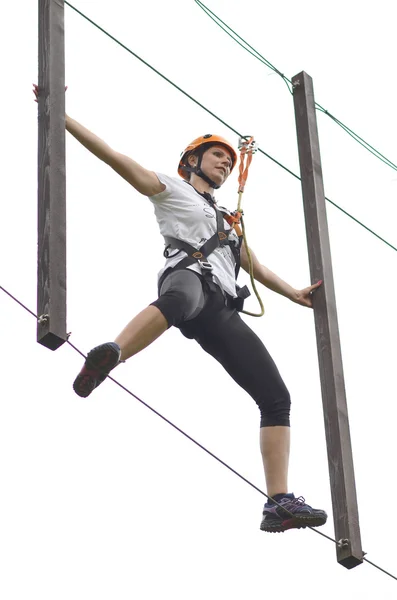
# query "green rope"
(236, 37)
(247, 47)
(218, 118)
(153, 69)
(357, 138)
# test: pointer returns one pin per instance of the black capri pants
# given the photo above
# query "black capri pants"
(202, 312)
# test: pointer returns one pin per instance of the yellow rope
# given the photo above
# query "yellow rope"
(240, 197)
(242, 178)
(251, 272)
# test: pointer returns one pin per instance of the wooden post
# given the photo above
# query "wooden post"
(51, 269)
(340, 458)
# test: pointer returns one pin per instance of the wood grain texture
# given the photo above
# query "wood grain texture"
(51, 270)
(340, 458)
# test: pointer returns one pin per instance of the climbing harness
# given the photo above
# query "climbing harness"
(200, 255)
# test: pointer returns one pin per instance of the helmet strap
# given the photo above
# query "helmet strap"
(199, 172)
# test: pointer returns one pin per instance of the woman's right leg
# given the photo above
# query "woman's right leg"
(181, 298)
(146, 327)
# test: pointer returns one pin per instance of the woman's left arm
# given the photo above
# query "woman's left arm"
(275, 283)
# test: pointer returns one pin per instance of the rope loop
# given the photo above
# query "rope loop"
(247, 147)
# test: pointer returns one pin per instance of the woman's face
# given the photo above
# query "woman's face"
(216, 164)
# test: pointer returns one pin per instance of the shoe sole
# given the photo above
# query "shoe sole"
(98, 364)
(277, 526)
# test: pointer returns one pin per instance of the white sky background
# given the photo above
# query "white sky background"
(100, 498)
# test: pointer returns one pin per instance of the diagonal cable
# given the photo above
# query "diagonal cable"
(251, 50)
(191, 438)
(380, 568)
(243, 43)
(222, 121)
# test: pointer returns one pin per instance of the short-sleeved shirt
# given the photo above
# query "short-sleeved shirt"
(183, 213)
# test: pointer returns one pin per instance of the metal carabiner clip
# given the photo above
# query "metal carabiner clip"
(248, 142)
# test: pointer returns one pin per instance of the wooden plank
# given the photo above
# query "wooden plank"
(51, 269)
(340, 458)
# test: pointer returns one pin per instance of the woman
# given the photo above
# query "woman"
(197, 294)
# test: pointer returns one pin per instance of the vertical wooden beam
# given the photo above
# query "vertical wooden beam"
(340, 458)
(51, 270)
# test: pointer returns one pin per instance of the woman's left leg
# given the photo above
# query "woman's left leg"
(239, 350)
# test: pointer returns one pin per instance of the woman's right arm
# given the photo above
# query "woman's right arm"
(144, 181)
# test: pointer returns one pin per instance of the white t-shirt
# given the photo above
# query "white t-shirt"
(183, 213)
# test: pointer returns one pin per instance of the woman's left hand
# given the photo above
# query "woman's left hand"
(304, 297)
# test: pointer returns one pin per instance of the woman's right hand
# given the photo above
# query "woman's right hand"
(36, 91)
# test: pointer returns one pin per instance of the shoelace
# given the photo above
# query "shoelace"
(299, 501)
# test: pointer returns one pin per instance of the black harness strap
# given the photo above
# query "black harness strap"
(219, 239)
(199, 255)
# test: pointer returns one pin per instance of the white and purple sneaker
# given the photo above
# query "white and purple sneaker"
(291, 513)
(98, 364)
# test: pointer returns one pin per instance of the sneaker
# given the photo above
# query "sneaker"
(99, 362)
(292, 513)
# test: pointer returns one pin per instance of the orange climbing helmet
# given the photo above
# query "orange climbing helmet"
(203, 142)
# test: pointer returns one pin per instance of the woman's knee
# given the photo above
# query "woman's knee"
(275, 411)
